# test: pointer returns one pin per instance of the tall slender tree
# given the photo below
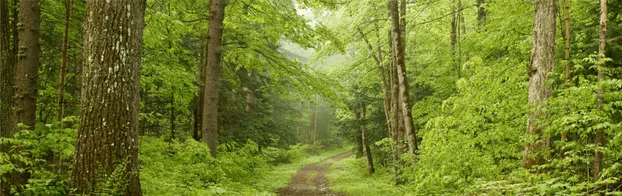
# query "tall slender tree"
(63, 63)
(212, 74)
(364, 140)
(542, 60)
(404, 103)
(602, 46)
(567, 73)
(27, 63)
(107, 139)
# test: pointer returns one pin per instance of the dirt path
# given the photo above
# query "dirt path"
(310, 181)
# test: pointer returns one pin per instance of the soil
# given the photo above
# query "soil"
(310, 180)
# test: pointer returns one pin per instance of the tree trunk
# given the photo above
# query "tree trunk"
(398, 42)
(212, 74)
(15, 31)
(454, 39)
(383, 85)
(602, 44)
(107, 138)
(7, 66)
(172, 117)
(315, 125)
(27, 63)
(366, 150)
(542, 55)
(63, 64)
(567, 73)
(201, 87)
(481, 13)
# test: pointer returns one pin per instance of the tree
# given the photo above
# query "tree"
(567, 72)
(107, 140)
(212, 74)
(27, 63)
(542, 60)
(63, 63)
(6, 72)
(404, 103)
(602, 46)
(364, 140)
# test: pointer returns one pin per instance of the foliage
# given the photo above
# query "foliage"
(45, 153)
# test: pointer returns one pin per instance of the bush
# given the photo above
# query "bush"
(46, 153)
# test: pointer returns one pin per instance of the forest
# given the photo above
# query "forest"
(310, 97)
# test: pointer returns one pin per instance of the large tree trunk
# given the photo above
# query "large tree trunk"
(398, 41)
(602, 44)
(7, 71)
(542, 55)
(366, 150)
(27, 63)
(108, 133)
(212, 74)
(63, 64)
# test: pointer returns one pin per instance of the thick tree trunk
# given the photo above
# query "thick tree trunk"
(7, 73)
(366, 150)
(602, 46)
(63, 64)
(108, 133)
(404, 103)
(542, 59)
(212, 75)
(27, 63)
(14, 24)
(567, 73)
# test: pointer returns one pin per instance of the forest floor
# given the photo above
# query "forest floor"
(310, 180)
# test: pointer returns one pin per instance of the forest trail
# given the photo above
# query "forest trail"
(310, 179)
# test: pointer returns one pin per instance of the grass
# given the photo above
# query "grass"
(350, 176)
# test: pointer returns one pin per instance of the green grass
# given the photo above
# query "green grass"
(350, 176)
(279, 176)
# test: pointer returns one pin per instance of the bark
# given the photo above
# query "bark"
(366, 150)
(7, 73)
(314, 124)
(454, 37)
(107, 139)
(7, 66)
(27, 63)
(15, 31)
(542, 56)
(201, 87)
(172, 117)
(212, 75)
(602, 44)
(398, 42)
(395, 125)
(63, 64)
(567, 73)
(481, 13)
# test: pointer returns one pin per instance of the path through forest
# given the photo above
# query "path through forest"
(310, 179)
